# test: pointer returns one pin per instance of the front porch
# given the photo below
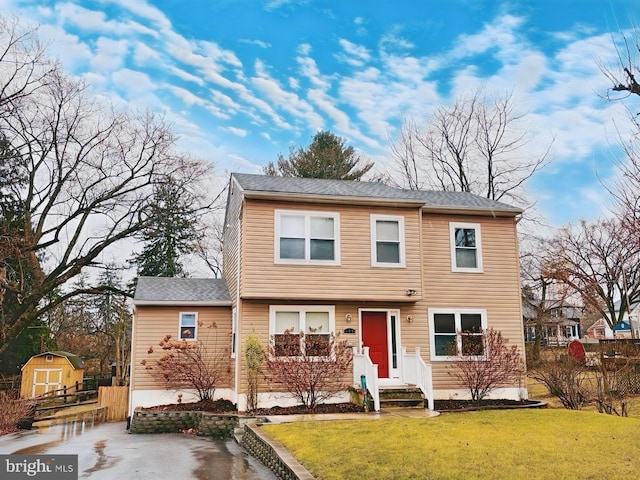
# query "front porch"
(413, 371)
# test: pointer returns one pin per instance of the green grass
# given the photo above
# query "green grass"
(499, 444)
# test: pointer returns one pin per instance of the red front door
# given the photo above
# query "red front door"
(374, 336)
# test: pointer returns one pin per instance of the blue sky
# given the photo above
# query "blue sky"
(243, 80)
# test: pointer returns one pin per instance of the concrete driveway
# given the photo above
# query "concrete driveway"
(108, 452)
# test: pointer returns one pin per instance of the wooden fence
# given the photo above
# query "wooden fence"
(116, 399)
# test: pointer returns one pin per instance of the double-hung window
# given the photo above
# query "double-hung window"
(301, 330)
(307, 237)
(188, 325)
(457, 333)
(466, 251)
(387, 241)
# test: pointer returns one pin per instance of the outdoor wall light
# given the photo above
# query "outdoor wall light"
(409, 318)
(347, 317)
(411, 292)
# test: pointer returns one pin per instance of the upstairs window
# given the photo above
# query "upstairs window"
(307, 237)
(456, 333)
(387, 241)
(188, 323)
(466, 252)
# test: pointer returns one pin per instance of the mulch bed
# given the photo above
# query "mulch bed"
(466, 405)
(225, 406)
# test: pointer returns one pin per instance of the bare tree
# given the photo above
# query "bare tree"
(601, 261)
(88, 171)
(543, 290)
(475, 145)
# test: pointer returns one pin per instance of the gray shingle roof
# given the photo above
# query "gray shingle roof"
(371, 190)
(159, 290)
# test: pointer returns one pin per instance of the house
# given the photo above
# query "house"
(51, 371)
(559, 326)
(398, 274)
(622, 329)
(599, 329)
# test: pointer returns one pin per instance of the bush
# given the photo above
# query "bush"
(487, 363)
(311, 374)
(565, 378)
(13, 410)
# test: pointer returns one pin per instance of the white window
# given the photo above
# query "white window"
(188, 326)
(307, 237)
(455, 333)
(466, 251)
(298, 330)
(387, 241)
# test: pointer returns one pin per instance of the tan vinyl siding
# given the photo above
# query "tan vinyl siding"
(497, 289)
(231, 240)
(256, 319)
(354, 278)
(152, 323)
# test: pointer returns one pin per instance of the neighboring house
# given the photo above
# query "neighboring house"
(51, 371)
(600, 329)
(622, 329)
(559, 327)
(399, 274)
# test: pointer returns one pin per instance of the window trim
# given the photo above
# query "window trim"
(478, 248)
(195, 328)
(302, 309)
(374, 218)
(457, 312)
(307, 214)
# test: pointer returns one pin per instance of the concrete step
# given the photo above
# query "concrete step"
(408, 396)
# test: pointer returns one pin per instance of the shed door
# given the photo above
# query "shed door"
(45, 380)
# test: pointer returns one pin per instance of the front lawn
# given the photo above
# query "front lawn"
(498, 444)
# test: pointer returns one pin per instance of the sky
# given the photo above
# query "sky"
(243, 80)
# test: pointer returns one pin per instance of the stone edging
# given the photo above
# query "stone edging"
(204, 424)
(270, 452)
(273, 455)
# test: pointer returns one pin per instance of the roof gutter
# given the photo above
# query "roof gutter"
(182, 303)
(317, 198)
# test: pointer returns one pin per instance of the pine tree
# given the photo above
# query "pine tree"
(172, 232)
(327, 156)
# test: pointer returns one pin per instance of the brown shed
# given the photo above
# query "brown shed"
(51, 371)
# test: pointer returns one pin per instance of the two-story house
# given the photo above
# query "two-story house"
(397, 273)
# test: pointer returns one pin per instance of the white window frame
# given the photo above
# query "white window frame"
(302, 310)
(478, 248)
(457, 312)
(374, 241)
(307, 214)
(180, 327)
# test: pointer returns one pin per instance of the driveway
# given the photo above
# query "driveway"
(107, 452)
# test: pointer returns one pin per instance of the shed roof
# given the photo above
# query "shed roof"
(75, 361)
(181, 291)
(349, 190)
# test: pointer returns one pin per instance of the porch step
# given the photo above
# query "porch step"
(408, 396)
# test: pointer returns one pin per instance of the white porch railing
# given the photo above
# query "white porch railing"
(416, 371)
(362, 365)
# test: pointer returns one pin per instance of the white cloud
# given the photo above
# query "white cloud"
(238, 132)
(109, 54)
